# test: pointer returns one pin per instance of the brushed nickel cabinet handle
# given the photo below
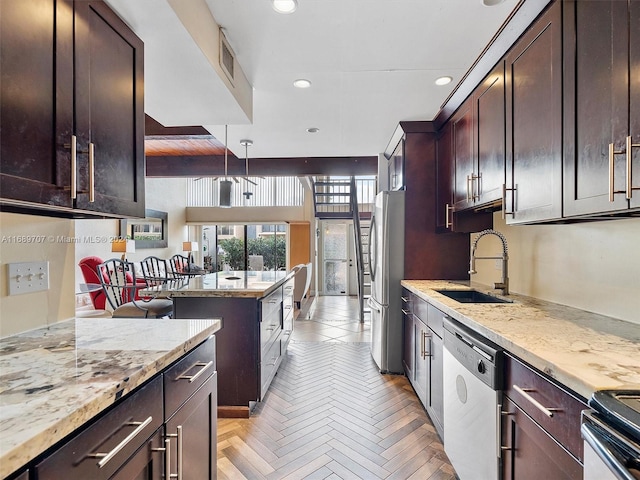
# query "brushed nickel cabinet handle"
(107, 457)
(468, 191)
(74, 167)
(427, 342)
(192, 378)
(92, 173)
(612, 154)
(548, 411)
(504, 201)
(167, 458)
(630, 146)
(448, 210)
(180, 451)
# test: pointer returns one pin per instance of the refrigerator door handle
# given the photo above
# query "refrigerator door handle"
(373, 305)
(373, 241)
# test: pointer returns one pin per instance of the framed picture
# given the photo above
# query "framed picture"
(148, 232)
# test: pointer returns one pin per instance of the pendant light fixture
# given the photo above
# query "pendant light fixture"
(247, 143)
(225, 185)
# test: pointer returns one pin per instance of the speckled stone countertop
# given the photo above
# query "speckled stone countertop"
(250, 284)
(582, 350)
(55, 379)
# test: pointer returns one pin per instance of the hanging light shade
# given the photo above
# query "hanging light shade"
(225, 193)
(225, 185)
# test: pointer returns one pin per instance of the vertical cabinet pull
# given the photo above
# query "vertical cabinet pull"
(427, 342)
(504, 200)
(630, 146)
(629, 188)
(74, 167)
(447, 211)
(92, 173)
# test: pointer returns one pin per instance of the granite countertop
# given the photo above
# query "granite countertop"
(247, 284)
(55, 379)
(582, 350)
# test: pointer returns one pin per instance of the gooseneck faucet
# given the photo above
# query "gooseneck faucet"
(504, 283)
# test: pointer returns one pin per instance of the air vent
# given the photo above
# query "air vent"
(227, 58)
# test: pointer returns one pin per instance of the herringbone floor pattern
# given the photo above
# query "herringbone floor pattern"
(329, 414)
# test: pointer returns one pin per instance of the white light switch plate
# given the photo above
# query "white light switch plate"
(28, 277)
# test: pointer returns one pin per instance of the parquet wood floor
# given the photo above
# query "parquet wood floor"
(329, 413)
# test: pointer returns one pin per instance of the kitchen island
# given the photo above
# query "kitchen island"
(57, 379)
(257, 316)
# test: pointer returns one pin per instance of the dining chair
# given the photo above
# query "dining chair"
(121, 292)
(179, 264)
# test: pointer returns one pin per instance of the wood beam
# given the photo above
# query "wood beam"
(213, 166)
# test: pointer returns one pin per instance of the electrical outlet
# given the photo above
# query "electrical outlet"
(498, 264)
(28, 277)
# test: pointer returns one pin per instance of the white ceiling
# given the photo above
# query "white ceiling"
(372, 63)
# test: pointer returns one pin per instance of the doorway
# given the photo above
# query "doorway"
(335, 255)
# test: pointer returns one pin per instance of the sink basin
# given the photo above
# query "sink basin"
(471, 296)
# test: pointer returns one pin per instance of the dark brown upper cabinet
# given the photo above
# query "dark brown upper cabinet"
(533, 80)
(462, 126)
(602, 107)
(479, 144)
(72, 104)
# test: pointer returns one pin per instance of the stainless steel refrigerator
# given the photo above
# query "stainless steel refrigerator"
(386, 257)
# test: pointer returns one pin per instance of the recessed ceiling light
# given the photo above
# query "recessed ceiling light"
(301, 83)
(285, 6)
(313, 129)
(443, 80)
(491, 3)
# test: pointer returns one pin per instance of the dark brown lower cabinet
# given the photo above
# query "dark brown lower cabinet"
(146, 463)
(530, 453)
(165, 429)
(540, 426)
(192, 435)
(104, 448)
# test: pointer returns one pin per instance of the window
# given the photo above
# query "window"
(245, 247)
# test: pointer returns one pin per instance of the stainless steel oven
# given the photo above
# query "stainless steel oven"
(611, 433)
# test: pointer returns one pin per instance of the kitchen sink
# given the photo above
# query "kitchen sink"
(472, 296)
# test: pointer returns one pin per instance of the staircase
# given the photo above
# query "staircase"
(338, 199)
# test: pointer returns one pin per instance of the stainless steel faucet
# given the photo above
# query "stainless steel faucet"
(504, 283)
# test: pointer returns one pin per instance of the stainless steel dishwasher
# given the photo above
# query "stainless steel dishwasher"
(473, 378)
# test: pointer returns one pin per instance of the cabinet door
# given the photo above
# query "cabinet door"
(436, 380)
(109, 99)
(192, 433)
(462, 125)
(596, 36)
(490, 133)
(146, 464)
(529, 453)
(534, 122)
(634, 99)
(421, 366)
(36, 118)
(444, 177)
(409, 341)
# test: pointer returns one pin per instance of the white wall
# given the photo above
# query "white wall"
(54, 243)
(594, 266)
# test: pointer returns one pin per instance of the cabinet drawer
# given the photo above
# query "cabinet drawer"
(552, 407)
(287, 289)
(407, 301)
(115, 437)
(269, 328)
(269, 364)
(435, 319)
(185, 377)
(420, 308)
(270, 303)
